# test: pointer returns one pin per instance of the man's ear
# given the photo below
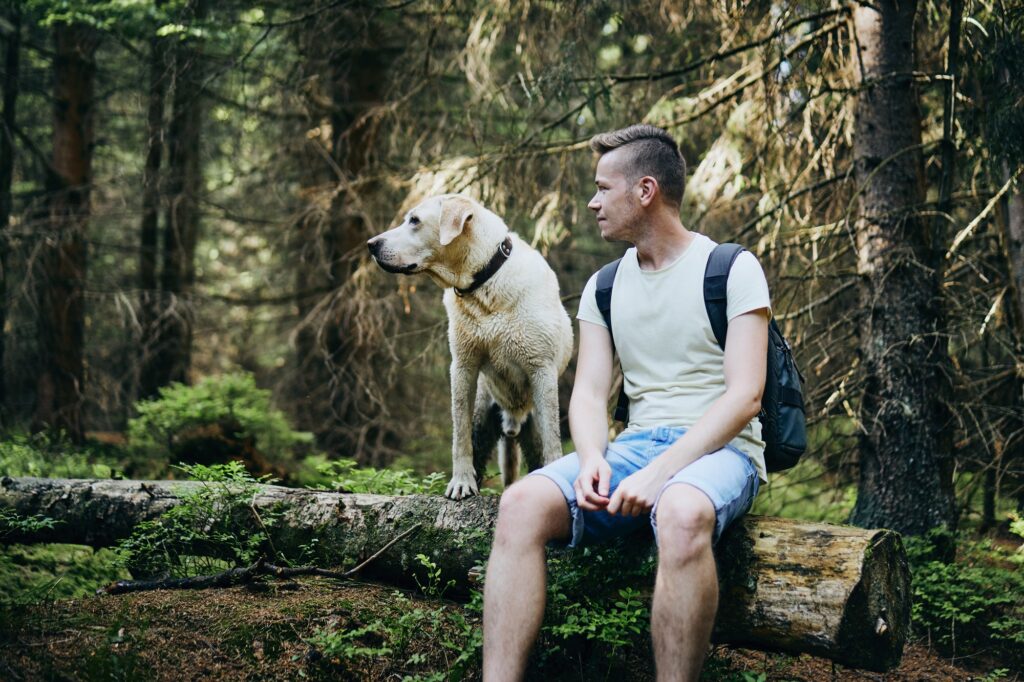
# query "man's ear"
(456, 213)
(647, 189)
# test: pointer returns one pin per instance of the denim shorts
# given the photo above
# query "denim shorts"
(726, 476)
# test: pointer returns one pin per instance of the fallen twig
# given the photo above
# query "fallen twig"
(241, 576)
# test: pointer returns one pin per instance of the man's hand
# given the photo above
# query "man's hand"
(638, 492)
(592, 483)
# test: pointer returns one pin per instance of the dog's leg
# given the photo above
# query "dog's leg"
(464, 377)
(486, 430)
(545, 406)
(509, 458)
(529, 442)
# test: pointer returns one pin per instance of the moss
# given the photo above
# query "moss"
(31, 573)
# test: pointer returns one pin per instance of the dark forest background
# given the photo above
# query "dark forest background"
(186, 188)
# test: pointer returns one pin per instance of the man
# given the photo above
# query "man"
(691, 456)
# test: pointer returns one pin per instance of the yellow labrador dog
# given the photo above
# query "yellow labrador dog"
(509, 335)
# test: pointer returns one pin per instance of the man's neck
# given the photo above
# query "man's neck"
(662, 244)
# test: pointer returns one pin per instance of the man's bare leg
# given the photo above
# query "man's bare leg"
(532, 513)
(686, 590)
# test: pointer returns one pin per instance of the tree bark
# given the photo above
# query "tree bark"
(149, 308)
(10, 121)
(833, 591)
(339, 382)
(358, 76)
(173, 351)
(905, 464)
(948, 118)
(1013, 239)
(60, 384)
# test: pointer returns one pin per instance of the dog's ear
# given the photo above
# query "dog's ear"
(456, 213)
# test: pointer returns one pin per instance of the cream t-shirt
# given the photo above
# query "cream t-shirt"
(672, 365)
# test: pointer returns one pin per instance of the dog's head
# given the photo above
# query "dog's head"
(425, 235)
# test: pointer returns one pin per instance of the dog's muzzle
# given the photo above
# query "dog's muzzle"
(376, 247)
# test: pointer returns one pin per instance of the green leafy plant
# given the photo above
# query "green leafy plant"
(345, 475)
(432, 587)
(614, 624)
(13, 522)
(408, 633)
(596, 614)
(1017, 528)
(214, 527)
(53, 456)
(973, 604)
(351, 644)
(227, 412)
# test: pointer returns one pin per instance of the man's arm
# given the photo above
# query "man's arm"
(744, 369)
(588, 414)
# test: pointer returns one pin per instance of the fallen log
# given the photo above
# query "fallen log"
(833, 591)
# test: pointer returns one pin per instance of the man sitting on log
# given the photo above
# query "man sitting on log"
(691, 458)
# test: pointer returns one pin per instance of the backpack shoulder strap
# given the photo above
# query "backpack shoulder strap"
(603, 293)
(716, 280)
(605, 280)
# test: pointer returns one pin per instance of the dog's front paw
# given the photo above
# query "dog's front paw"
(461, 486)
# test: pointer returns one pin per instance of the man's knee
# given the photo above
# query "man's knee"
(686, 524)
(532, 510)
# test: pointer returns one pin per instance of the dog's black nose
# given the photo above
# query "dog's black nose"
(374, 245)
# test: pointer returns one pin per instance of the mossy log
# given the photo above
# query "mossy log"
(833, 591)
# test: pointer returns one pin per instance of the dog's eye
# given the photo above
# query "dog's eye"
(413, 220)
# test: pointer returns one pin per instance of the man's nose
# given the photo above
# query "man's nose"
(594, 204)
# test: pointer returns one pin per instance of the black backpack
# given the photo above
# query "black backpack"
(783, 424)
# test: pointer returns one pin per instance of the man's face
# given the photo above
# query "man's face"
(615, 203)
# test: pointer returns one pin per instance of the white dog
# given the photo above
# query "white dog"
(509, 335)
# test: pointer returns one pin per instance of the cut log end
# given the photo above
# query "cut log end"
(881, 601)
(801, 587)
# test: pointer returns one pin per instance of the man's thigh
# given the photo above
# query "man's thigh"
(727, 480)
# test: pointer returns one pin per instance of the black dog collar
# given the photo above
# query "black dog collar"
(497, 260)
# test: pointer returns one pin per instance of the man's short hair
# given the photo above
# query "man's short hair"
(650, 151)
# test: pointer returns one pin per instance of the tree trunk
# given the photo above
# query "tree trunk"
(833, 591)
(357, 79)
(173, 352)
(149, 308)
(10, 121)
(61, 301)
(337, 378)
(905, 465)
(1013, 240)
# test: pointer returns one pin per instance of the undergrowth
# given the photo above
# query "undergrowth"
(975, 605)
(597, 618)
(214, 527)
(344, 475)
(226, 412)
(48, 455)
(596, 622)
(407, 635)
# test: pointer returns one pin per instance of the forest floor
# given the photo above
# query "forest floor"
(319, 629)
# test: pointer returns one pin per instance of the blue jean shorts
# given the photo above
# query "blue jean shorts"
(726, 476)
